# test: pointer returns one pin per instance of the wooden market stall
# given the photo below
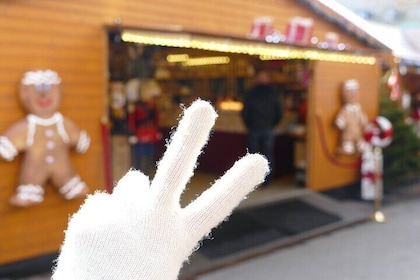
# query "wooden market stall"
(303, 73)
(71, 37)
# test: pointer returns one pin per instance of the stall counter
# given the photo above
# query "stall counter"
(228, 143)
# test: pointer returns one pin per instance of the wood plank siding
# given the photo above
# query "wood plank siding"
(70, 37)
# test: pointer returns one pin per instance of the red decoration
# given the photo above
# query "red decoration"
(299, 31)
(379, 132)
(261, 28)
(394, 85)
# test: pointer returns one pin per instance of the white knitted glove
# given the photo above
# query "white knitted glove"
(141, 231)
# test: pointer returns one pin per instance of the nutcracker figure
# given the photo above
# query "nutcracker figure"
(143, 125)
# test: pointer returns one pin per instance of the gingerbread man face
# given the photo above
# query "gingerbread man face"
(40, 92)
(350, 92)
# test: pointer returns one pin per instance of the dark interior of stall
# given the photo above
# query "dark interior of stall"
(183, 75)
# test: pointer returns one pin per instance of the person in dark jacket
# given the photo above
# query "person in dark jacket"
(261, 112)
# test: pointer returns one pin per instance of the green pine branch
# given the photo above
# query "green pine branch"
(401, 157)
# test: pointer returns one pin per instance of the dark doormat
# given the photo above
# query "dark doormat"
(256, 226)
(28, 267)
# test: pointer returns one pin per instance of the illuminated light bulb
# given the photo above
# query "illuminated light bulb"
(341, 47)
(200, 61)
(230, 105)
(269, 39)
(251, 48)
(177, 57)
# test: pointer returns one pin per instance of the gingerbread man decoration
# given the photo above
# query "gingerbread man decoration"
(44, 138)
(351, 120)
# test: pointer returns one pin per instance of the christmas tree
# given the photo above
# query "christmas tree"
(401, 157)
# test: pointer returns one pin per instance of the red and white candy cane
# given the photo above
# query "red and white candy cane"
(379, 132)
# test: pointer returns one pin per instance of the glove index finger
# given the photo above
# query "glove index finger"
(177, 165)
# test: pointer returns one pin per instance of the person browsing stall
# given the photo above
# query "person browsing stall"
(261, 112)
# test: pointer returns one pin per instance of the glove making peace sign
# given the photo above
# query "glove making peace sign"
(140, 230)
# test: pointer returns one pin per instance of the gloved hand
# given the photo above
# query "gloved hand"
(141, 231)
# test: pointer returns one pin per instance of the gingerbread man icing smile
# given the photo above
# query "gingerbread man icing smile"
(45, 137)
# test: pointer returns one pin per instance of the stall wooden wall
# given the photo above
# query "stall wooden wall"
(45, 34)
(325, 170)
(69, 37)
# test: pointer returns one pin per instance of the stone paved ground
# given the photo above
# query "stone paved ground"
(368, 251)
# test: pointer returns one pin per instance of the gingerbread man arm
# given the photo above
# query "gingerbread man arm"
(341, 120)
(13, 140)
(77, 138)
